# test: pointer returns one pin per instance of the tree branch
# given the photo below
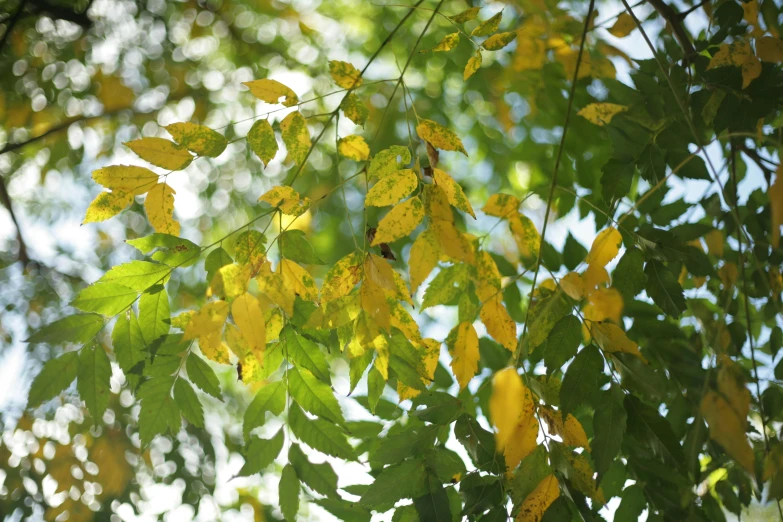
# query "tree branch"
(674, 19)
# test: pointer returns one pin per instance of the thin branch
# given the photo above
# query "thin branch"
(674, 19)
(688, 11)
(11, 23)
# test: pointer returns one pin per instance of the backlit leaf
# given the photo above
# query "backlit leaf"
(271, 91)
(506, 405)
(345, 74)
(55, 376)
(161, 153)
(601, 113)
(126, 178)
(488, 26)
(391, 188)
(453, 191)
(106, 205)
(353, 147)
(498, 41)
(439, 136)
(605, 247)
(473, 65)
(289, 201)
(400, 221)
(159, 206)
(296, 136)
(198, 138)
(539, 500)
(262, 141)
(464, 362)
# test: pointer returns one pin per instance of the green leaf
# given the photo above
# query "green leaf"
(188, 403)
(269, 398)
(314, 396)
(288, 491)
(260, 453)
(632, 505)
(319, 434)
(652, 164)
(249, 248)
(479, 443)
(105, 298)
(78, 328)
(159, 413)
(93, 380)
(262, 141)
(488, 26)
(695, 168)
(441, 407)
(344, 510)
(357, 366)
(405, 480)
(304, 353)
(202, 375)
(199, 139)
(412, 440)
(581, 379)
(616, 180)
(171, 250)
(531, 471)
(562, 343)
(154, 313)
(55, 376)
(628, 277)
(138, 275)
(295, 246)
(465, 16)
(216, 259)
(445, 286)
(573, 252)
(609, 428)
(386, 161)
(434, 504)
(445, 463)
(375, 385)
(663, 288)
(543, 316)
(354, 109)
(647, 426)
(321, 478)
(127, 341)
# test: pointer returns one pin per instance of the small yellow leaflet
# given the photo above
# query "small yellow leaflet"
(392, 188)
(464, 362)
(400, 221)
(160, 209)
(353, 147)
(506, 404)
(271, 91)
(161, 153)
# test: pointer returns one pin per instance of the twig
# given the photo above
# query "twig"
(674, 19)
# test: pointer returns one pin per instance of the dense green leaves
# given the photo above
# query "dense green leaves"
(663, 288)
(288, 489)
(581, 378)
(55, 376)
(609, 426)
(314, 396)
(319, 434)
(269, 398)
(93, 379)
(408, 479)
(260, 453)
(78, 328)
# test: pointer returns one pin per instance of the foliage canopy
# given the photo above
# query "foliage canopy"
(459, 261)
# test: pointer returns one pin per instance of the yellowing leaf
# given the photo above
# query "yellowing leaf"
(424, 256)
(573, 286)
(262, 141)
(230, 281)
(126, 178)
(715, 241)
(299, 279)
(249, 318)
(465, 16)
(342, 277)
(530, 54)
(354, 109)
(499, 324)
(736, 54)
(400, 221)
(537, 502)
(271, 91)
(289, 200)
(198, 138)
(611, 338)
(391, 188)
(160, 209)
(439, 136)
(344, 74)
(769, 49)
(727, 427)
(296, 136)
(453, 243)
(453, 191)
(161, 153)
(506, 405)
(379, 271)
(570, 430)
(208, 320)
(583, 477)
(501, 205)
(488, 280)
(449, 42)
(526, 236)
(107, 205)
(607, 303)
(464, 362)
(623, 26)
(498, 41)
(436, 204)
(373, 300)
(523, 439)
(776, 206)
(605, 247)
(601, 113)
(593, 277)
(728, 273)
(751, 70)
(274, 287)
(353, 147)
(473, 65)
(488, 26)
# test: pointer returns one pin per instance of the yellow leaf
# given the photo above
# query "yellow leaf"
(107, 205)
(453, 192)
(751, 70)
(439, 136)
(464, 362)
(400, 290)
(342, 277)
(198, 138)
(570, 430)
(296, 136)
(270, 91)
(769, 49)
(526, 236)
(213, 348)
(498, 41)
(623, 26)
(390, 189)
(424, 256)
(160, 209)
(611, 338)
(400, 221)
(374, 303)
(402, 320)
(274, 287)
(299, 279)
(249, 318)
(161, 153)
(230, 281)
(114, 94)
(537, 502)
(289, 201)
(274, 324)
(499, 324)
(453, 243)
(449, 42)
(473, 65)
(353, 147)
(436, 204)
(605, 247)
(465, 16)
(573, 286)
(601, 113)
(379, 271)
(501, 205)
(593, 277)
(344, 74)
(728, 272)
(715, 241)
(607, 303)
(736, 54)
(751, 14)
(488, 26)
(505, 404)
(726, 412)
(776, 206)
(523, 439)
(583, 477)
(488, 280)
(208, 320)
(126, 178)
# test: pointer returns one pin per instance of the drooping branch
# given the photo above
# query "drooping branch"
(674, 19)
